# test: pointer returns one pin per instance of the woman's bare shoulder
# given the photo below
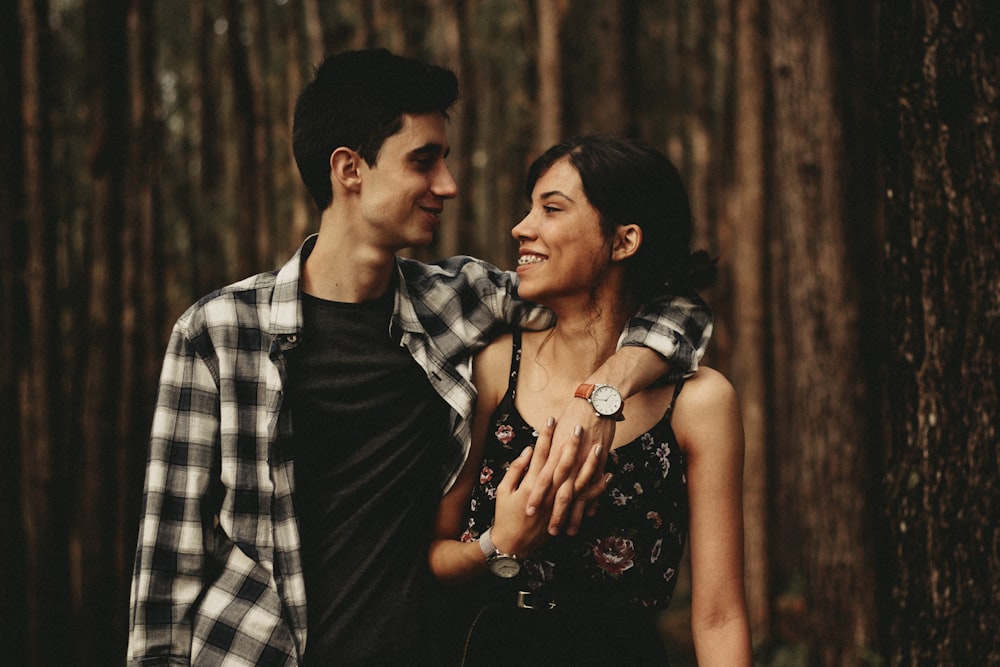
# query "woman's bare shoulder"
(708, 386)
(708, 400)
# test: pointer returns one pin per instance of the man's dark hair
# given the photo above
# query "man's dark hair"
(357, 100)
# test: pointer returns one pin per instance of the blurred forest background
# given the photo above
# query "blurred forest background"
(842, 160)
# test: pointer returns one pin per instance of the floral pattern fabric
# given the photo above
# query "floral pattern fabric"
(630, 550)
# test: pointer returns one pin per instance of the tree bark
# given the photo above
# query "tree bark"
(13, 316)
(549, 100)
(447, 50)
(611, 113)
(46, 572)
(747, 238)
(941, 132)
(91, 542)
(246, 51)
(143, 325)
(305, 46)
(824, 441)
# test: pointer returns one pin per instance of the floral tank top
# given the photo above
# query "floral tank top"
(630, 550)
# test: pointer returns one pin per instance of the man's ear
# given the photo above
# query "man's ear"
(345, 168)
(628, 238)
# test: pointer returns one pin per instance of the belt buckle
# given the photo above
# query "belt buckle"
(524, 601)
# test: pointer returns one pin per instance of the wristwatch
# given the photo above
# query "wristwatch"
(605, 399)
(505, 566)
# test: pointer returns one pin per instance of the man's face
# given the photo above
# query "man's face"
(402, 196)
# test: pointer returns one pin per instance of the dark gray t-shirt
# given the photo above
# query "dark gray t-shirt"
(369, 432)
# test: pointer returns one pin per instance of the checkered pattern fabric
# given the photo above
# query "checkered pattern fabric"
(218, 574)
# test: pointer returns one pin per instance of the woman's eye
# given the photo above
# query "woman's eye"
(551, 209)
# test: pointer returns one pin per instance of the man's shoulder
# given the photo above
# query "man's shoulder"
(450, 272)
(238, 304)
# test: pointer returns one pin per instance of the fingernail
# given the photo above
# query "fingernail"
(550, 421)
(529, 510)
(608, 478)
(525, 451)
(578, 431)
(597, 450)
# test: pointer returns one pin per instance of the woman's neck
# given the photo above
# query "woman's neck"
(584, 336)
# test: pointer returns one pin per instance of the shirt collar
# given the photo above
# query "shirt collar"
(286, 305)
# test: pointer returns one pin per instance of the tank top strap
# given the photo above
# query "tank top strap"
(673, 401)
(515, 362)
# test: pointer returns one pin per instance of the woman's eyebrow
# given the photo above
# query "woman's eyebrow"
(555, 193)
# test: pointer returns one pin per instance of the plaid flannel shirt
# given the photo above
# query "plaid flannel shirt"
(218, 573)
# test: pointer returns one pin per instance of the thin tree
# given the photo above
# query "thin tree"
(824, 450)
(13, 315)
(43, 496)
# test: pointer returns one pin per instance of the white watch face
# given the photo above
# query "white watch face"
(606, 400)
(505, 567)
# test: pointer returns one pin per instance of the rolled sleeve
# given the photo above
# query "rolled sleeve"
(677, 327)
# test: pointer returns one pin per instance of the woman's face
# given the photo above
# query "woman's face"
(561, 248)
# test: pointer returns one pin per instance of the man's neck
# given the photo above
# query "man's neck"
(339, 269)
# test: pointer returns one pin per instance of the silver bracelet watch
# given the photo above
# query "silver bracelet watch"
(505, 566)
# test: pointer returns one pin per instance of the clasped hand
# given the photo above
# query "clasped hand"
(546, 487)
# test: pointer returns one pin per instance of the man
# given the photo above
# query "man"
(309, 419)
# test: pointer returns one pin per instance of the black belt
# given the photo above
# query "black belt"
(529, 600)
(583, 603)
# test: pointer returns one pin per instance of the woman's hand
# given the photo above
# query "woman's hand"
(514, 530)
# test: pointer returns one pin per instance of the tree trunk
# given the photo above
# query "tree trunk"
(143, 326)
(251, 136)
(447, 50)
(303, 48)
(549, 101)
(941, 132)
(745, 230)
(44, 504)
(611, 113)
(13, 315)
(822, 439)
(93, 533)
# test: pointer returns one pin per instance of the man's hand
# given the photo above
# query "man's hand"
(574, 468)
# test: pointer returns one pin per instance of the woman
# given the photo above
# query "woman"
(609, 226)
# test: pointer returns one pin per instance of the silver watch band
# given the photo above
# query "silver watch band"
(486, 544)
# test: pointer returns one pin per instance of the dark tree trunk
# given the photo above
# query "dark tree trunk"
(143, 326)
(92, 539)
(46, 521)
(743, 214)
(941, 132)
(549, 103)
(446, 40)
(824, 448)
(245, 50)
(13, 316)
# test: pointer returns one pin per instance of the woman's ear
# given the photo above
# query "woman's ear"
(344, 169)
(628, 238)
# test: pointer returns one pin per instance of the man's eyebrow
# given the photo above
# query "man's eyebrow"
(430, 149)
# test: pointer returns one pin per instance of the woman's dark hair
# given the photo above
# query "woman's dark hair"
(631, 183)
(357, 100)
